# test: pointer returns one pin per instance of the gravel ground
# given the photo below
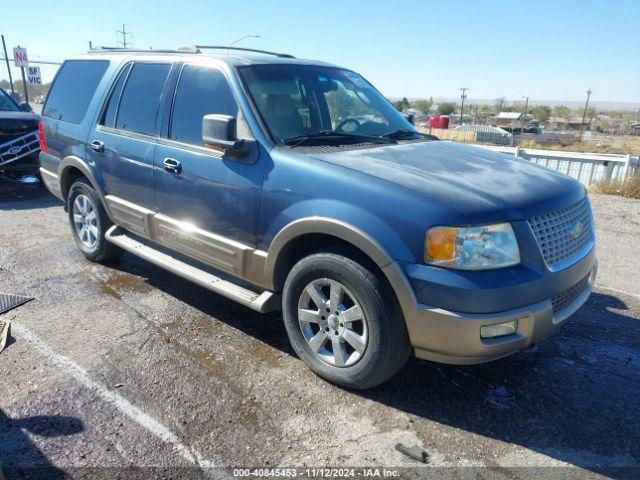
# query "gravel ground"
(127, 366)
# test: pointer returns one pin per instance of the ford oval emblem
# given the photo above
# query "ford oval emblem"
(14, 150)
(576, 230)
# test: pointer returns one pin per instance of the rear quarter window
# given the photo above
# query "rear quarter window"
(73, 89)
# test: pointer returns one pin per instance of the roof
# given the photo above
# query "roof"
(232, 56)
(509, 115)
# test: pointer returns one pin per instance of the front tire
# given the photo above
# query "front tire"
(90, 222)
(343, 321)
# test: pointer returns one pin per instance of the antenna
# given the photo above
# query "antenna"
(239, 39)
(124, 34)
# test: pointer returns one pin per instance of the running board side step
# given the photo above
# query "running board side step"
(261, 302)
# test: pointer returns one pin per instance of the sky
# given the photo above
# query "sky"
(546, 50)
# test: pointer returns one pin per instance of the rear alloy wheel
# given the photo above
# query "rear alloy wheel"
(90, 222)
(85, 221)
(343, 320)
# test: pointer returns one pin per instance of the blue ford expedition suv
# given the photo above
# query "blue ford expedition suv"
(293, 184)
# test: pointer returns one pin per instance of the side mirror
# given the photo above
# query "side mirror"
(25, 107)
(219, 132)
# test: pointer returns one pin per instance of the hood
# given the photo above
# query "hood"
(479, 183)
(16, 124)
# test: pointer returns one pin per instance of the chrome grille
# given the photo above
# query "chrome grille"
(564, 299)
(20, 147)
(564, 234)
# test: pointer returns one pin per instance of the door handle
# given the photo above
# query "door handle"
(172, 165)
(97, 146)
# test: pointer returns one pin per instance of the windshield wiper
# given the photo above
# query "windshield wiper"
(403, 133)
(333, 136)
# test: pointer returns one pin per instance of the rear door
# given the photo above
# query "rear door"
(123, 143)
(208, 207)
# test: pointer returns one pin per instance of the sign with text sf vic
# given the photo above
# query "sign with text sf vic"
(34, 76)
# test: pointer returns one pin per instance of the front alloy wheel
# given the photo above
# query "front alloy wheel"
(343, 319)
(332, 322)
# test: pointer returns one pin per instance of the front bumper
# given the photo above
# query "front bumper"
(452, 337)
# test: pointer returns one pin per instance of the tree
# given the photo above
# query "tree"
(561, 111)
(423, 105)
(541, 112)
(446, 108)
(402, 105)
(501, 103)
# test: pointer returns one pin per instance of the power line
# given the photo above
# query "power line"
(124, 34)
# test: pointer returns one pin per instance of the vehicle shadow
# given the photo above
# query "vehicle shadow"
(18, 196)
(574, 399)
(20, 457)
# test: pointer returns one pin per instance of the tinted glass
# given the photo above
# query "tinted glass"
(201, 91)
(73, 89)
(6, 104)
(141, 97)
(110, 112)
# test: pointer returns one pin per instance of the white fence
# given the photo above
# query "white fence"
(587, 168)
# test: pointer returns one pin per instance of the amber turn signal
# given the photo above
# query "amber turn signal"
(441, 243)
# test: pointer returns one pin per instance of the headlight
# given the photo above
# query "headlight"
(472, 248)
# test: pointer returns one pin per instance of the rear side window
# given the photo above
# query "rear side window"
(141, 96)
(201, 91)
(112, 107)
(73, 89)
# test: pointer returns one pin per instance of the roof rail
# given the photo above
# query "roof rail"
(186, 49)
(140, 50)
(266, 52)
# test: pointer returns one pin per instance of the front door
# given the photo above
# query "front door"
(207, 204)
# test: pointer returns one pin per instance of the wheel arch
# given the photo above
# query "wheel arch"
(72, 168)
(306, 235)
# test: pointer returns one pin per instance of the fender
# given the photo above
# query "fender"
(76, 162)
(353, 235)
(327, 226)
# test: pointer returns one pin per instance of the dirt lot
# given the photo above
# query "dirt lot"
(129, 366)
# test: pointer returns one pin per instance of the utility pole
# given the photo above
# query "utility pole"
(463, 96)
(524, 115)
(124, 34)
(584, 114)
(6, 58)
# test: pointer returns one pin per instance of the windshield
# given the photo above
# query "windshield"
(6, 104)
(296, 100)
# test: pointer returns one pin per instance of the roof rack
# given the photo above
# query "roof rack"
(140, 50)
(217, 47)
(187, 49)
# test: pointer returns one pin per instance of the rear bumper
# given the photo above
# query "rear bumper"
(454, 337)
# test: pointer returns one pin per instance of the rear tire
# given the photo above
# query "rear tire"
(90, 222)
(343, 321)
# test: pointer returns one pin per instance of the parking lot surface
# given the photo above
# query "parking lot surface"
(126, 365)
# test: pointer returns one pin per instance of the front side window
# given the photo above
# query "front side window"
(295, 100)
(7, 104)
(138, 107)
(73, 89)
(201, 91)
